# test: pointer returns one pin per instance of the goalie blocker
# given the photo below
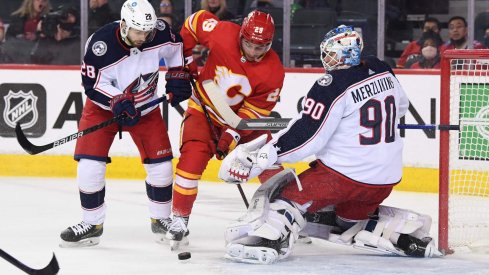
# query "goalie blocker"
(268, 231)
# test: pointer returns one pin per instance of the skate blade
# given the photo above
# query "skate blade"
(83, 243)
(175, 245)
(251, 255)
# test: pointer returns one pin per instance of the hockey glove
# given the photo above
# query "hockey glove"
(241, 164)
(228, 141)
(178, 85)
(124, 104)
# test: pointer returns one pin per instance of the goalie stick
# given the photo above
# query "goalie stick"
(51, 268)
(35, 149)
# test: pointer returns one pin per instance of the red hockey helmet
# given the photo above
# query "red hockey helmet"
(258, 28)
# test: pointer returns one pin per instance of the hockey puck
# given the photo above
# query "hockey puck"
(184, 256)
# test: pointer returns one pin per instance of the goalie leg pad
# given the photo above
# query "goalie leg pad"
(259, 206)
(399, 232)
(277, 231)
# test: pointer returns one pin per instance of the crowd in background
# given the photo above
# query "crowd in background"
(38, 32)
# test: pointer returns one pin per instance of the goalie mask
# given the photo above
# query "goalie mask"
(341, 48)
(137, 15)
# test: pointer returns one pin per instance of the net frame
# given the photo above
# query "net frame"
(452, 160)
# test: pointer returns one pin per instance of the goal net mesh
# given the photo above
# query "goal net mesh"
(468, 198)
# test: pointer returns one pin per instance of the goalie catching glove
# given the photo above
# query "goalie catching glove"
(248, 160)
(177, 85)
(124, 104)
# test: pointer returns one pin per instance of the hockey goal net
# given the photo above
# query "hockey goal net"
(464, 153)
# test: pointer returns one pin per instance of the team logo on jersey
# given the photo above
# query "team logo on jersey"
(24, 104)
(144, 85)
(99, 48)
(325, 80)
(160, 25)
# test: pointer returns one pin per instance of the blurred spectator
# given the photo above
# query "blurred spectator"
(16, 50)
(414, 47)
(168, 17)
(2, 31)
(430, 55)
(24, 21)
(429, 35)
(166, 10)
(267, 4)
(457, 32)
(63, 48)
(58, 43)
(100, 14)
(219, 8)
(486, 36)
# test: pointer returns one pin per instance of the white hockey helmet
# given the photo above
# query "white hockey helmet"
(341, 48)
(139, 15)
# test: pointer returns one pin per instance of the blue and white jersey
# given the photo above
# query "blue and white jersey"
(349, 122)
(110, 67)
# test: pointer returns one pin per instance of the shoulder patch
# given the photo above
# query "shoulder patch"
(99, 48)
(325, 80)
(160, 25)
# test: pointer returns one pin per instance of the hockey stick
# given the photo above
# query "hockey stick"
(429, 127)
(214, 93)
(216, 136)
(35, 149)
(51, 268)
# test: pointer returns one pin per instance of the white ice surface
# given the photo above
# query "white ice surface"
(33, 212)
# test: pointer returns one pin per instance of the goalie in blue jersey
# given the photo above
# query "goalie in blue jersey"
(348, 124)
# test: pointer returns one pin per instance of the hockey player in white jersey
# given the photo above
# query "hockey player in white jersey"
(120, 73)
(349, 124)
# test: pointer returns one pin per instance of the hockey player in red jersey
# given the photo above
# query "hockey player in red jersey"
(349, 124)
(249, 74)
(120, 73)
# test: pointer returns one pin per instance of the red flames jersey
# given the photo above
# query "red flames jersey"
(250, 88)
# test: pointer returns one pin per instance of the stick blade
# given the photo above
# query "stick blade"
(23, 141)
(263, 124)
(50, 269)
(215, 95)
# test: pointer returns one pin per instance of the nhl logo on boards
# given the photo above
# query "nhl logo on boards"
(99, 48)
(160, 25)
(24, 104)
(325, 80)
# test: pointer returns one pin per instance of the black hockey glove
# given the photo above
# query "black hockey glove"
(178, 85)
(124, 104)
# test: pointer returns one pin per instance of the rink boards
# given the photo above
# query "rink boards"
(50, 100)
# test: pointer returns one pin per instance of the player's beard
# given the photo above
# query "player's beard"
(253, 58)
(136, 43)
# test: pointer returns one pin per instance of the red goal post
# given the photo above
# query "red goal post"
(464, 154)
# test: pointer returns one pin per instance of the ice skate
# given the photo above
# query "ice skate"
(160, 227)
(415, 247)
(178, 232)
(80, 235)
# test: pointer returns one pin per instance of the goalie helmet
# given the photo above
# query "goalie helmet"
(341, 48)
(138, 15)
(258, 28)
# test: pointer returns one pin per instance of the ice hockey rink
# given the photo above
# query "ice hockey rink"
(33, 212)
